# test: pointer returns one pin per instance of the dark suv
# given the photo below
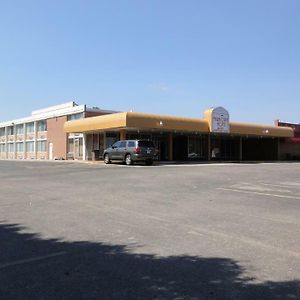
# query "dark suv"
(130, 151)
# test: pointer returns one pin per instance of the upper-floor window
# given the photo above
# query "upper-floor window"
(2, 131)
(75, 117)
(42, 125)
(20, 129)
(30, 127)
(10, 130)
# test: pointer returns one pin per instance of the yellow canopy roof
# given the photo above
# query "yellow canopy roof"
(134, 120)
(141, 121)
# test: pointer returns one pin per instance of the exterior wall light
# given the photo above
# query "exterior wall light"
(161, 123)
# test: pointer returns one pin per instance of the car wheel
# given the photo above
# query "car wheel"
(128, 160)
(106, 159)
(149, 162)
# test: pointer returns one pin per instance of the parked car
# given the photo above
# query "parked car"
(130, 151)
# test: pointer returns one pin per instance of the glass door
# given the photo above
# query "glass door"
(78, 148)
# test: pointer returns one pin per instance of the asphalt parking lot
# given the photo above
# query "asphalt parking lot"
(79, 231)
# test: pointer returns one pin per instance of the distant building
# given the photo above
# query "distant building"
(290, 147)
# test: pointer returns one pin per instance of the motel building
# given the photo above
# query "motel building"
(77, 132)
(41, 136)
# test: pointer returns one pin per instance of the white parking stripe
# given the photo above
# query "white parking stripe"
(259, 193)
(29, 260)
(281, 185)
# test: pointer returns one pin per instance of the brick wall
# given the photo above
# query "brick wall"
(42, 155)
(290, 150)
(57, 136)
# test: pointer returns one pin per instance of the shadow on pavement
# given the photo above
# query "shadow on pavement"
(36, 268)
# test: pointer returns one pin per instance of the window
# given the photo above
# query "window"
(116, 145)
(11, 147)
(197, 147)
(2, 148)
(131, 144)
(146, 144)
(111, 138)
(75, 117)
(20, 147)
(42, 125)
(71, 146)
(29, 146)
(2, 131)
(122, 144)
(30, 127)
(10, 130)
(20, 129)
(42, 146)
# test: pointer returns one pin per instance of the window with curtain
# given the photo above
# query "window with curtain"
(42, 146)
(29, 146)
(20, 129)
(2, 148)
(11, 147)
(42, 125)
(20, 147)
(30, 127)
(10, 130)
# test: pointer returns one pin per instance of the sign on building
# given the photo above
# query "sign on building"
(220, 120)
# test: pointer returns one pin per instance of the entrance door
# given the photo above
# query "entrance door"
(78, 148)
(180, 147)
(163, 150)
(161, 144)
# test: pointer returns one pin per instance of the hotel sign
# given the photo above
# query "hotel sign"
(220, 120)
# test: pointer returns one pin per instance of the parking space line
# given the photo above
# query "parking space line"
(282, 185)
(29, 260)
(259, 193)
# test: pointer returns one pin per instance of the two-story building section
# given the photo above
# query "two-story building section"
(41, 136)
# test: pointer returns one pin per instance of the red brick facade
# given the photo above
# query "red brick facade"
(57, 137)
(290, 147)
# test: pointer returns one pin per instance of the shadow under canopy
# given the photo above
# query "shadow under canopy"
(36, 268)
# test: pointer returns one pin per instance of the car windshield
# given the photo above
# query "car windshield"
(146, 144)
(116, 145)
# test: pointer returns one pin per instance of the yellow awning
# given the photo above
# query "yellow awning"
(260, 130)
(141, 121)
(135, 120)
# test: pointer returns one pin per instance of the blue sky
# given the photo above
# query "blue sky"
(157, 56)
